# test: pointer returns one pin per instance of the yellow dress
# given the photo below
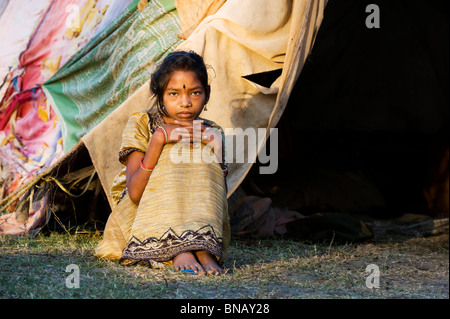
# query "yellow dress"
(183, 207)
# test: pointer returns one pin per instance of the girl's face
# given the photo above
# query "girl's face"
(184, 97)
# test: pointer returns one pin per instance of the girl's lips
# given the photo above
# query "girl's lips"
(185, 114)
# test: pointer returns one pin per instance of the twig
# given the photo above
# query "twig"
(331, 243)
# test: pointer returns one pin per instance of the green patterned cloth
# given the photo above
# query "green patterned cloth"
(111, 67)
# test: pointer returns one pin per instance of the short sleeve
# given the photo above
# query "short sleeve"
(136, 136)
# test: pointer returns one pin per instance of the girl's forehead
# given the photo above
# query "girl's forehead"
(184, 79)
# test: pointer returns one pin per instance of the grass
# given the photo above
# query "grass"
(256, 269)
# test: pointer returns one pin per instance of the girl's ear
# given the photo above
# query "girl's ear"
(207, 93)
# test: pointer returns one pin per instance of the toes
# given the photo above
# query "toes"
(213, 271)
(196, 268)
(199, 269)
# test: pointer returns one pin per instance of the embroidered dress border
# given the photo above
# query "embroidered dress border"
(123, 155)
(171, 244)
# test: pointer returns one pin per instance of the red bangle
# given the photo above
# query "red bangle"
(225, 170)
(148, 169)
(163, 131)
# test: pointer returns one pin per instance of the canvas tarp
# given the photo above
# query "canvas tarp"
(3, 5)
(15, 13)
(238, 40)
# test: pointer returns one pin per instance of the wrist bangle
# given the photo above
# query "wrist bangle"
(164, 132)
(147, 169)
(225, 170)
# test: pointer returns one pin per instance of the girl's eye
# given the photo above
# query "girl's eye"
(172, 93)
(196, 93)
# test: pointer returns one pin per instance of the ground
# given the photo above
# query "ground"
(408, 267)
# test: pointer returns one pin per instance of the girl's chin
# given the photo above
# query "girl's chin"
(185, 118)
(181, 119)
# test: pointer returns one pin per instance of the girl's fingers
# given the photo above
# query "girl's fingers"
(186, 131)
(192, 131)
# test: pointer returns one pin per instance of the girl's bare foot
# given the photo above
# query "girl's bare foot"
(186, 261)
(209, 263)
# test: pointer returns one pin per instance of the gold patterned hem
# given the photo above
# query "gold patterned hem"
(171, 244)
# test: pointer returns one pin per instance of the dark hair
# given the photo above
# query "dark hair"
(177, 61)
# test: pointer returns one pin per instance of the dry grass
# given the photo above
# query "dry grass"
(262, 269)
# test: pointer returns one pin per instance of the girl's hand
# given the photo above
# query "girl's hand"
(211, 135)
(195, 133)
(185, 131)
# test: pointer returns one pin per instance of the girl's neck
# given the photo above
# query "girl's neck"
(167, 120)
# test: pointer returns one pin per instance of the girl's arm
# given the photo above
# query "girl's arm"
(137, 177)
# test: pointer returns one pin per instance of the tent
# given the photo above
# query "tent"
(356, 106)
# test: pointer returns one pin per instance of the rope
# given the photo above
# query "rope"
(65, 190)
(11, 198)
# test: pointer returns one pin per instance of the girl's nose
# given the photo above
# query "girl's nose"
(185, 101)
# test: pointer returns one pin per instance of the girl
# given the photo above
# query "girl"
(171, 212)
